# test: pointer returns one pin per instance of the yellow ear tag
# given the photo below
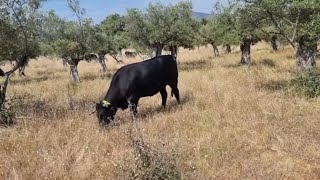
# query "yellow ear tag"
(105, 103)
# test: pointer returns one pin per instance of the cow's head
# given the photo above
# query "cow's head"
(105, 112)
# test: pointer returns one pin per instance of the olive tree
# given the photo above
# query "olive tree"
(161, 26)
(19, 25)
(248, 31)
(114, 29)
(220, 28)
(72, 41)
(211, 34)
(149, 30)
(184, 28)
(295, 20)
(99, 44)
(52, 29)
(109, 38)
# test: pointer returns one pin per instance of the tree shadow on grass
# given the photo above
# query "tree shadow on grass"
(265, 62)
(27, 80)
(50, 72)
(233, 65)
(91, 77)
(193, 65)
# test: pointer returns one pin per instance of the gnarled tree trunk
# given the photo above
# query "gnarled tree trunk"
(120, 53)
(74, 70)
(174, 51)
(306, 53)
(274, 43)
(245, 48)
(158, 49)
(64, 63)
(228, 49)
(3, 92)
(215, 50)
(74, 73)
(4, 86)
(114, 56)
(21, 71)
(102, 62)
(23, 63)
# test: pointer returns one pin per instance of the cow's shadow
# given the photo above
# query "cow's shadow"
(172, 106)
(193, 65)
(145, 113)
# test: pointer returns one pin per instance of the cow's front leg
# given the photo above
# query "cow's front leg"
(132, 104)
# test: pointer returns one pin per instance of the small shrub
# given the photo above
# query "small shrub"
(148, 163)
(307, 83)
(6, 117)
(153, 165)
(15, 106)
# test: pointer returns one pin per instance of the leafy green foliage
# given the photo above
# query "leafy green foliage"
(19, 29)
(19, 25)
(15, 106)
(220, 27)
(70, 40)
(161, 26)
(307, 83)
(184, 29)
(290, 19)
(249, 23)
(137, 30)
(111, 36)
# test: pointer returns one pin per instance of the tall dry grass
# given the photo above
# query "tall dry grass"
(234, 122)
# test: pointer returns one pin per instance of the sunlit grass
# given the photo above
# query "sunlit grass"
(234, 122)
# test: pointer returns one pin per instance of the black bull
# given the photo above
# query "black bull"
(133, 81)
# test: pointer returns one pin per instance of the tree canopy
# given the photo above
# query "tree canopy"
(161, 26)
(19, 28)
(113, 31)
(295, 20)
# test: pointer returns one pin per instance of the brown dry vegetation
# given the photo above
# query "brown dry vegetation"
(234, 122)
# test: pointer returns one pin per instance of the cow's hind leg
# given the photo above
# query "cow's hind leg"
(164, 96)
(175, 90)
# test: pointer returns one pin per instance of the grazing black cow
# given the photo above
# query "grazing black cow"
(130, 54)
(133, 81)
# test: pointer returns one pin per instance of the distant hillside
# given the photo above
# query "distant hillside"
(199, 15)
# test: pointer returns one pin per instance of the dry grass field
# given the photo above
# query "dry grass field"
(234, 122)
